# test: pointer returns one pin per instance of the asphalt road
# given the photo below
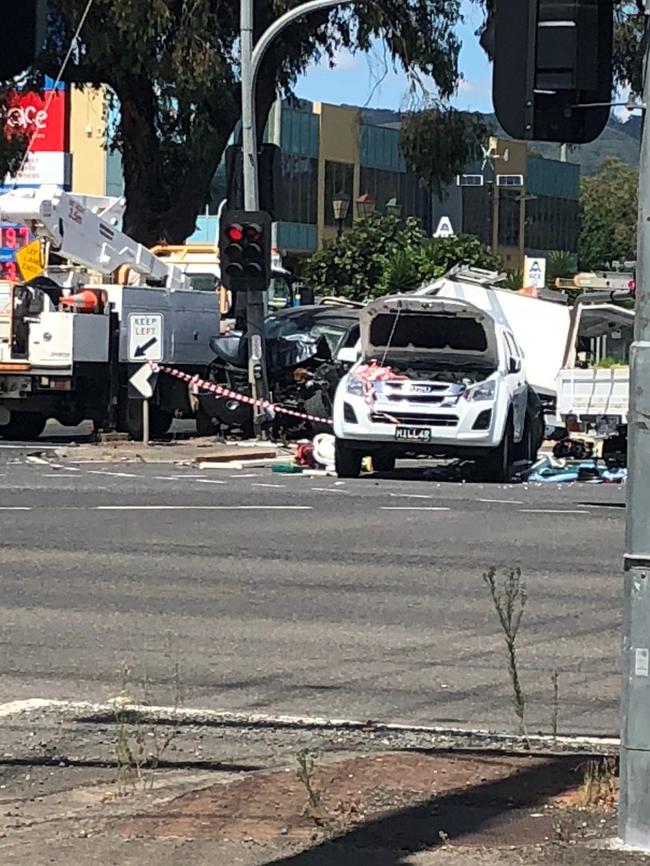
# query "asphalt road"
(307, 596)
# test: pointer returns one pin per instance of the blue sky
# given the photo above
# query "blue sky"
(362, 79)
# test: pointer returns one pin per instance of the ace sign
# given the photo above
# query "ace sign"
(145, 337)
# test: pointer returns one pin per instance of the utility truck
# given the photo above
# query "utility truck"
(71, 336)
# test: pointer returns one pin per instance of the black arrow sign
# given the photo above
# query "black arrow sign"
(139, 352)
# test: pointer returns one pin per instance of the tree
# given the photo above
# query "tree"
(12, 144)
(173, 68)
(608, 214)
(383, 255)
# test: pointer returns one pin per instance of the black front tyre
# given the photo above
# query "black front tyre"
(346, 461)
(23, 425)
(159, 420)
(496, 468)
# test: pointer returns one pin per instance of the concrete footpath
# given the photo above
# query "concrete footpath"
(114, 785)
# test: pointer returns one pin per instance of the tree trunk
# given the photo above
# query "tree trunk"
(160, 207)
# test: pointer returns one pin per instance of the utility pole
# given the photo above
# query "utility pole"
(634, 809)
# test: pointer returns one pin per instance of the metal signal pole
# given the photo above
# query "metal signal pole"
(634, 809)
(251, 59)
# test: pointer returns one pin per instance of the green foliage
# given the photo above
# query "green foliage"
(559, 264)
(608, 215)
(438, 144)
(514, 280)
(383, 255)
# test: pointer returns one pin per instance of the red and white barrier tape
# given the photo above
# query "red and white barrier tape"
(220, 391)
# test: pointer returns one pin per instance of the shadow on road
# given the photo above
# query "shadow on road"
(492, 813)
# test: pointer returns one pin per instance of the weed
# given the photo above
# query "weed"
(306, 768)
(555, 716)
(444, 838)
(139, 748)
(510, 602)
(599, 783)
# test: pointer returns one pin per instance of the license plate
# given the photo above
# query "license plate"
(413, 434)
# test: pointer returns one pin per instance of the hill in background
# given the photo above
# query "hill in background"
(621, 139)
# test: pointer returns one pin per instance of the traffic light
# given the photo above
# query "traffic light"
(553, 68)
(23, 36)
(245, 250)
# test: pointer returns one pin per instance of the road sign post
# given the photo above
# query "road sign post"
(634, 809)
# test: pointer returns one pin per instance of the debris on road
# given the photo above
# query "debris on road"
(549, 469)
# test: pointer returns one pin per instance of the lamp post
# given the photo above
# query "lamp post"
(341, 207)
(366, 205)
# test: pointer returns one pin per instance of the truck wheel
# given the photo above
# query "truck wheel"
(23, 425)
(383, 462)
(159, 420)
(346, 461)
(204, 424)
(496, 468)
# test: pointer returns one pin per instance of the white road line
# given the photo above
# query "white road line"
(15, 508)
(414, 508)
(209, 481)
(503, 501)
(260, 484)
(411, 496)
(114, 474)
(72, 469)
(328, 490)
(246, 475)
(554, 511)
(201, 508)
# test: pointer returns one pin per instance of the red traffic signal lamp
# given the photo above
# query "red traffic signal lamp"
(245, 250)
(552, 68)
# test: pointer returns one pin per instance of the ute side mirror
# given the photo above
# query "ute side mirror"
(514, 365)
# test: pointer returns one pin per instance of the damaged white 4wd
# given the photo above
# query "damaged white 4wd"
(437, 377)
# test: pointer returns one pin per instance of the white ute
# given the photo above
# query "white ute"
(438, 377)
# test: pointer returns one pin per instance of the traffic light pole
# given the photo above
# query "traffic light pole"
(634, 810)
(251, 59)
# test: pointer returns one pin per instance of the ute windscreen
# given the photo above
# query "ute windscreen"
(428, 332)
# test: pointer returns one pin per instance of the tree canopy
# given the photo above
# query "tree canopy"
(608, 214)
(382, 255)
(173, 67)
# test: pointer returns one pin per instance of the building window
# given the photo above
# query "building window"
(552, 223)
(477, 212)
(405, 187)
(339, 177)
(509, 204)
(299, 203)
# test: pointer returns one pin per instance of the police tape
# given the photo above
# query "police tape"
(220, 391)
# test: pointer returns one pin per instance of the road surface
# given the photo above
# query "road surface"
(307, 596)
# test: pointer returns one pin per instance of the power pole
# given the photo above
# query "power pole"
(634, 809)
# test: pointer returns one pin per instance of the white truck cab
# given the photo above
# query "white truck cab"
(436, 376)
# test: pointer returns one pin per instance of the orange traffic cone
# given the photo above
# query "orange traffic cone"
(85, 301)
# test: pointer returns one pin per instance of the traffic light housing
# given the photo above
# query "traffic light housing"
(24, 33)
(553, 68)
(245, 250)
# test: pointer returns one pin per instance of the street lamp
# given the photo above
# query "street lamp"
(393, 208)
(341, 207)
(365, 205)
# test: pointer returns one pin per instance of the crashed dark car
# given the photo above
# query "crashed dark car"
(308, 349)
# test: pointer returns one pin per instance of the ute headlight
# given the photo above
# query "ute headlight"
(483, 391)
(354, 386)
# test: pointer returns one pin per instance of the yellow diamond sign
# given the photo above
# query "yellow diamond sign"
(30, 260)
